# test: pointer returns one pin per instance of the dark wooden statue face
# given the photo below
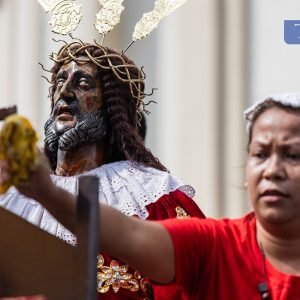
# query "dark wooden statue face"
(78, 91)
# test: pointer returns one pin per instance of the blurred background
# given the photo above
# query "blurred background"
(209, 60)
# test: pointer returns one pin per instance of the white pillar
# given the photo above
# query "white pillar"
(189, 78)
(25, 34)
(234, 99)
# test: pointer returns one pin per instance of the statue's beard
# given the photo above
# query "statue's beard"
(90, 128)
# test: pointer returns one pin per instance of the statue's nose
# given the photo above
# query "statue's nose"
(67, 90)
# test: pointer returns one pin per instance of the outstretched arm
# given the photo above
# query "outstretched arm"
(144, 245)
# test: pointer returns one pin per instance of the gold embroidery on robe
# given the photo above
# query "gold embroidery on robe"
(181, 213)
(116, 276)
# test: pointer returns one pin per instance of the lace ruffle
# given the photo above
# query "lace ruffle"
(122, 185)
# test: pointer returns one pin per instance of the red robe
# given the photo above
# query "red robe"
(118, 281)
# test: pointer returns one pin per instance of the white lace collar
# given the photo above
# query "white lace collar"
(122, 185)
(128, 187)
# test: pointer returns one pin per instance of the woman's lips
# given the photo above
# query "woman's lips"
(273, 196)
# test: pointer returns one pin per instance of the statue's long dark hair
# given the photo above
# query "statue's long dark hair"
(123, 91)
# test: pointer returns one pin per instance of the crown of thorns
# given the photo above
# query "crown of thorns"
(124, 71)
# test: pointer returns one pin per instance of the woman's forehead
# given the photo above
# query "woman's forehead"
(278, 120)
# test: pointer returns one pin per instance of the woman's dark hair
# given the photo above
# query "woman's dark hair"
(122, 92)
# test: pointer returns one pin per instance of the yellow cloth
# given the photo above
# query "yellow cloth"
(18, 147)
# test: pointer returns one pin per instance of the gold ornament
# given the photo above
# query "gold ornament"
(66, 14)
(181, 213)
(109, 15)
(150, 20)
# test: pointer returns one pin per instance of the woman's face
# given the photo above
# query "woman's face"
(273, 166)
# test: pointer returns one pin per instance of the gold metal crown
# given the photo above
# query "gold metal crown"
(66, 16)
(150, 20)
(109, 15)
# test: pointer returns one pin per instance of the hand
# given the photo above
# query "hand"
(40, 183)
(40, 187)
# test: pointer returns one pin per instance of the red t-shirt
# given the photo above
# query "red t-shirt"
(220, 259)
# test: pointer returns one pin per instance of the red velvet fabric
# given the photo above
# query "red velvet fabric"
(222, 260)
(163, 208)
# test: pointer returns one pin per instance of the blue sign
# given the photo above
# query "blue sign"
(292, 31)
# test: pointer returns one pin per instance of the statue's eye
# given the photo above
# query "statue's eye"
(60, 82)
(84, 84)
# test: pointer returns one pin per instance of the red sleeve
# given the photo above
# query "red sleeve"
(193, 241)
(171, 206)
